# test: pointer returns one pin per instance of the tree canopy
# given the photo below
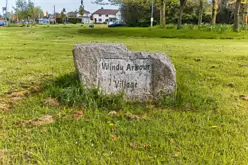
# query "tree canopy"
(26, 9)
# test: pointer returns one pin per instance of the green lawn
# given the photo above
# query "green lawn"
(205, 123)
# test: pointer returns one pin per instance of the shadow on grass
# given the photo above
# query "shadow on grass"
(69, 92)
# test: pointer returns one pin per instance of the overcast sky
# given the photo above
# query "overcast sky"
(69, 5)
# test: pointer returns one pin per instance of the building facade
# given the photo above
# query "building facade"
(85, 18)
(105, 16)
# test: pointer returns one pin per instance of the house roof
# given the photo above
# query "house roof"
(106, 12)
(72, 13)
(75, 12)
(86, 12)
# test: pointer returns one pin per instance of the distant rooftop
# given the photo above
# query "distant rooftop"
(106, 11)
(74, 12)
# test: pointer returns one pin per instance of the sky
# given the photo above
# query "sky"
(69, 5)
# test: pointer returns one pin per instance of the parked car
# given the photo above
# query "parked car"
(117, 24)
(91, 26)
(2, 23)
(110, 23)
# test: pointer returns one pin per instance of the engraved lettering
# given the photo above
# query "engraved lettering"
(132, 76)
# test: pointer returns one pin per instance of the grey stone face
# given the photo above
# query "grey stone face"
(113, 68)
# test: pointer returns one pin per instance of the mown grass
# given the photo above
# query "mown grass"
(170, 31)
(206, 122)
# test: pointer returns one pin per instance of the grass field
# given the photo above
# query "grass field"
(47, 117)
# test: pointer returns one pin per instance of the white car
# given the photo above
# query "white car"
(110, 23)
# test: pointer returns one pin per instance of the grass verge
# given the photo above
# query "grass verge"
(63, 124)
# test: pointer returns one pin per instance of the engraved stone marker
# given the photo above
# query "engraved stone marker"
(134, 77)
(113, 68)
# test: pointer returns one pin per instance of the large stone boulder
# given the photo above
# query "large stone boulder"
(113, 68)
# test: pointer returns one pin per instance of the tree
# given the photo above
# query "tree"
(200, 12)
(81, 10)
(244, 13)
(236, 24)
(214, 11)
(37, 13)
(137, 14)
(144, 3)
(182, 4)
(162, 12)
(9, 16)
(225, 12)
(24, 9)
(63, 16)
(236, 16)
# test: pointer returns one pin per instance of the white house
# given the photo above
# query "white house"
(106, 15)
(85, 18)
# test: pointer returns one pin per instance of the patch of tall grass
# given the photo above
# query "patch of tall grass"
(221, 31)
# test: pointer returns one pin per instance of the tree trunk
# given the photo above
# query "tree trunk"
(200, 13)
(242, 8)
(214, 11)
(236, 16)
(179, 24)
(163, 13)
(246, 15)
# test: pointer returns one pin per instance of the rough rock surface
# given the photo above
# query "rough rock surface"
(113, 68)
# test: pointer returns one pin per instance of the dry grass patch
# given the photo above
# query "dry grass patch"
(131, 116)
(45, 120)
(79, 115)
(4, 107)
(52, 102)
(243, 97)
(115, 137)
(19, 94)
(113, 113)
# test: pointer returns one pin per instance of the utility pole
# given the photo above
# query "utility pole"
(6, 5)
(82, 3)
(5, 13)
(152, 14)
(54, 15)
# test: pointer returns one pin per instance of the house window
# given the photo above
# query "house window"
(106, 15)
(100, 15)
(106, 20)
(100, 20)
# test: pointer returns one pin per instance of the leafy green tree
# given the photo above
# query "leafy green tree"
(138, 14)
(63, 16)
(37, 13)
(81, 10)
(10, 16)
(170, 11)
(144, 3)
(24, 9)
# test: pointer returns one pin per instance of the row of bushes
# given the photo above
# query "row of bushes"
(70, 20)
(187, 19)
